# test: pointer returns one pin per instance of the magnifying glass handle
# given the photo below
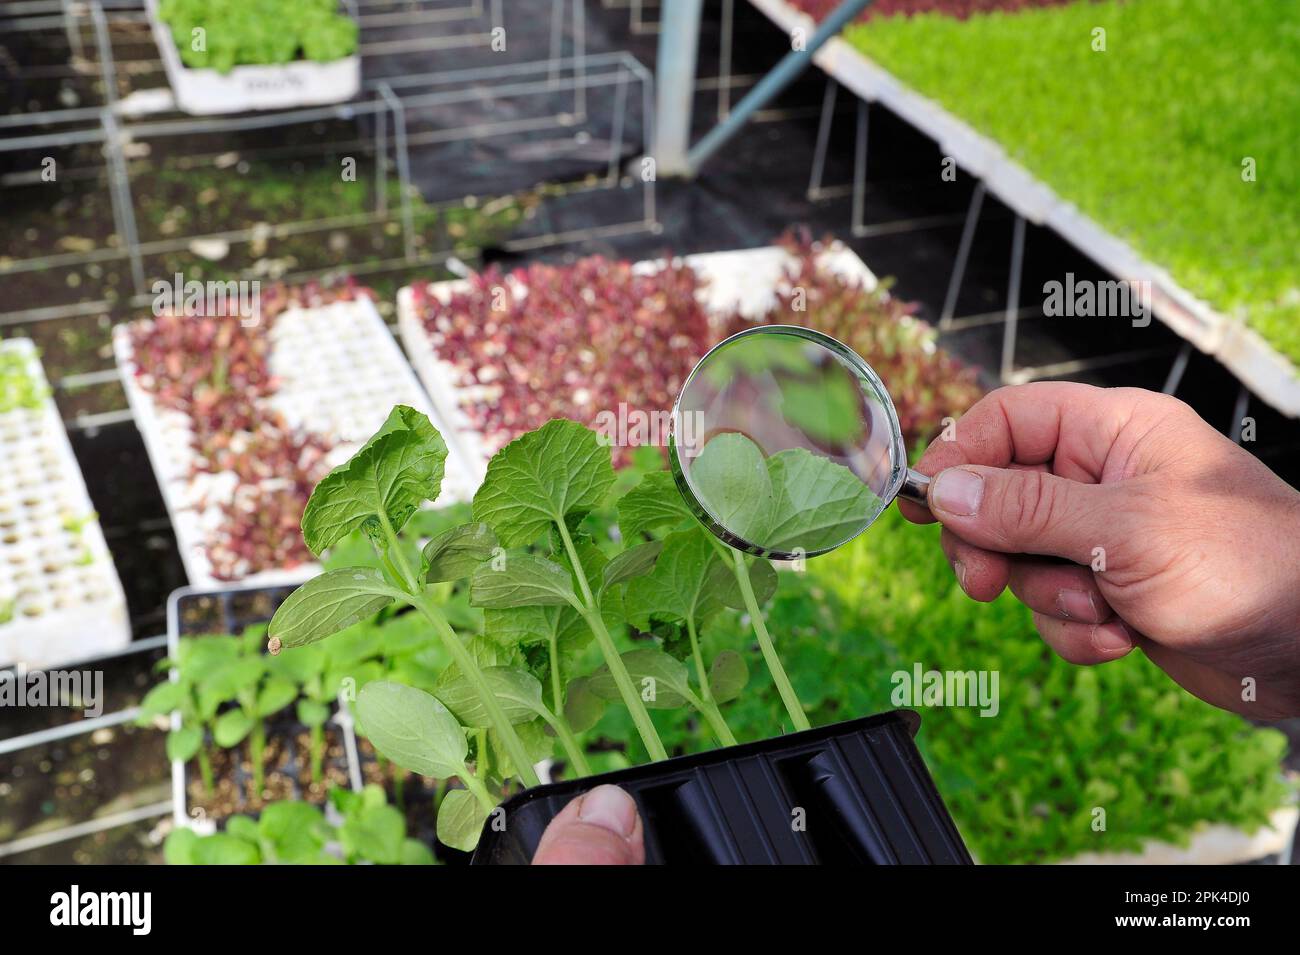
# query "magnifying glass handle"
(916, 488)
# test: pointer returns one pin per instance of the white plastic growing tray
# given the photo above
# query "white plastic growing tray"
(340, 371)
(743, 281)
(58, 586)
(1268, 373)
(182, 815)
(207, 92)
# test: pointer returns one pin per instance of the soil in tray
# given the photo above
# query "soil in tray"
(287, 774)
(71, 781)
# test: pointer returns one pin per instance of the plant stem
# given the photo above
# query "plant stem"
(708, 707)
(557, 720)
(706, 693)
(572, 748)
(716, 723)
(788, 697)
(475, 786)
(395, 548)
(205, 770)
(256, 748)
(557, 684)
(591, 613)
(509, 738)
(317, 752)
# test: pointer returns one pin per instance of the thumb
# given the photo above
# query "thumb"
(1021, 512)
(598, 828)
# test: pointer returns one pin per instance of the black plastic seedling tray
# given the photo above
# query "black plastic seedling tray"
(855, 792)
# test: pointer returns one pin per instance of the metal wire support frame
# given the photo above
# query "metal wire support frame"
(394, 97)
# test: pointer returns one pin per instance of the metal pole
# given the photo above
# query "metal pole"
(724, 59)
(580, 60)
(678, 47)
(403, 166)
(1176, 372)
(859, 224)
(963, 255)
(119, 190)
(782, 75)
(823, 141)
(1013, 300)
(616, 133)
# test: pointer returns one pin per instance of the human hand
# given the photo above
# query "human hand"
(1180, 542)
(601, 827)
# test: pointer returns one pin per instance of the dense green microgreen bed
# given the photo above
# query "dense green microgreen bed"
(1148, 137)
(240, 32)
(18, 389)
(1023, 785)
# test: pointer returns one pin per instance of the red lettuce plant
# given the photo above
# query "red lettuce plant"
(216, 371)
(567, 341)
(925, 383)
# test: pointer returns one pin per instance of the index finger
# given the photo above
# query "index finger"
(1066, 425)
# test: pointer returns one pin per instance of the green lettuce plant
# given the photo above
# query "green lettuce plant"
(295, 833)
(549, 592)
(238, 32)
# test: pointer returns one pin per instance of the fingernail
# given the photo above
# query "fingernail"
(1111, 638)
(959, 569)
(957, 491)
(1076, 604)
(610, 808)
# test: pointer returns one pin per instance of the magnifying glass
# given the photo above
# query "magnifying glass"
(785, 443)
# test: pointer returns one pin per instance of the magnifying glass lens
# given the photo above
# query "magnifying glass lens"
(786, 443)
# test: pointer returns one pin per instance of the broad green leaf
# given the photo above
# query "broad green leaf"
(180, 845)
(229, 679)
(583, 707)
(163, 698)
(682, 583)
(415, 852)
(517, 691)
(223, 849)
(522, 626)
(458, 552)
(327, 604)
(301, 666)
(412, 729)
(231, 727)
(659, 679)
(731, 481)
(542, 477)
(728, 675)
(653, 503)
(819, 504)
(361, 641)
(526, 580)
(242, 827)
(275, 695)
(296, 831)
(538, 745)
(374, 833)
(762, 580)
(312, 713)
(184, 743)
(395, 472)
(460, 820)
(357, 675)
(631, 563)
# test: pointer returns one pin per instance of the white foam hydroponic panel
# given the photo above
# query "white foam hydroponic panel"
(60, 597)
(207, 92)
(743, 281)
(340, 373)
